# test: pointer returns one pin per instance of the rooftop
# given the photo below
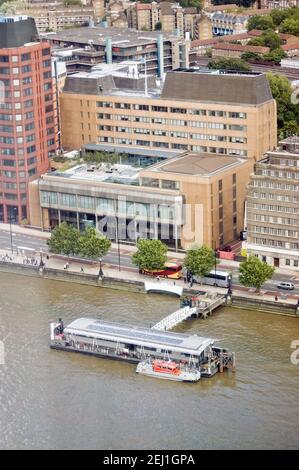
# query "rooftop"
(191, 163)
(120, 37)
(138, 335)
(191, 85)
(248, 88)
(16, 31)
(121, 174)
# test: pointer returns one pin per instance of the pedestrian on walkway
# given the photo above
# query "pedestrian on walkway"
(276, 298)
(82, 269)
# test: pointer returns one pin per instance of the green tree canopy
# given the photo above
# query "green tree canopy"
(282, 92)
(254, 272)
(64, 240)
(290, 26)
(92, 244)
(199, 260)
(275, 56)
(278, 16)
(260, 22)
(150, 254)
(229, 63)
(251, 56)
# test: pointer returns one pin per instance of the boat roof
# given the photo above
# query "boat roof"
(138, 335)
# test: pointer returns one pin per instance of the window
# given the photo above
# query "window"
(220, 185)
(25, 57)
(26, 68)
(234, 178)
(122, 106)
(32, 172)
(46, 51)
(160, 109)
(237, 115)
(48, 197)
(46, 63)
(28, 104)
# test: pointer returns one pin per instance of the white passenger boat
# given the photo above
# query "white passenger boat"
(168, 370)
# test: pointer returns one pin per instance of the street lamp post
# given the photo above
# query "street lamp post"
(117, 241)
(101, 274)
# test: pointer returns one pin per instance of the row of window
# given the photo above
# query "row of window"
(22, 174)
(166, 109)
(20, 163)
(167, 145)
(276, 197)
(279, 174)
(107, 206)
(271, 184)
(275, 220)
(284, 209)
(275, 243)
(172, 122)
(24, 57)
(275, 231)
(176, 134)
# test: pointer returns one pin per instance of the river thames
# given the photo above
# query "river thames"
(58, 400)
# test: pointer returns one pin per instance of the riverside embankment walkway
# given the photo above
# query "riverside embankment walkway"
(130, 279)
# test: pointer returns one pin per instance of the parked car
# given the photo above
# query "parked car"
(286, 286)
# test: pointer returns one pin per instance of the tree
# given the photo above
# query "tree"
(275, 56)
(290, 26)
(150, 254)
(271, 39)
(278, 16)
(199, 260)
(64, 239)
(289, 129)
(92, 244)
(229, 63)
(260, 22)
(254, 272)
(251, 56)
(282, 92)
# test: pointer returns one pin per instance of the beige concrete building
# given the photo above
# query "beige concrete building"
(56, 16)
(166, 16)
(273, 207)
(189, 198)
(236, 50)
(224, 114)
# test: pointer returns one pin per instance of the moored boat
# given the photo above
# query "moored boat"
(168, 370)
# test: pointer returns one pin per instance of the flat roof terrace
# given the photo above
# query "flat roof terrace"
(195, 164)
(120, 37)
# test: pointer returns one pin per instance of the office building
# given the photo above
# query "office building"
(273, 207)
(27, 114)
(224, 114)
(162, 52)
(190, 198)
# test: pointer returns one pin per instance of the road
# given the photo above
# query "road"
(38, 243)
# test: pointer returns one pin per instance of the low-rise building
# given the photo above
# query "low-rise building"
(273, 207)
(162, 52)
(57, 15)
(236, 50)
(189, 198)
(220, 113)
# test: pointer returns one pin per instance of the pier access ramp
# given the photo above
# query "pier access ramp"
(175, 318)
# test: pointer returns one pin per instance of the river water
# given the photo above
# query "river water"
(58, 400)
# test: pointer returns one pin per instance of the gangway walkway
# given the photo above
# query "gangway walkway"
(175, 318)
